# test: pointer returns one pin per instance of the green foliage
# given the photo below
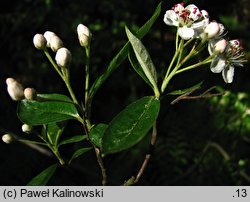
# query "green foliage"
(144, 60)
(42, 178)
(130, 125)
(74, 139)
(232, 112)
(186, 90)
(44, 112)
(122, 54)
(54, 131)
(135, 64)
(96, 134)
(78, 153)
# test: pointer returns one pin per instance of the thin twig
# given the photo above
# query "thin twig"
(205, 94)
(133, 179)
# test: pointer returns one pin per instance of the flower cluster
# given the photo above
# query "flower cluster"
(17, 92)
(191, 22)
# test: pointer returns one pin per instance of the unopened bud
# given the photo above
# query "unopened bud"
(82, 29)
(48, 35)
(26, 128)
(55, 43)
(83, 40)
(212, 30)
(7, 138)
(220, 46)
(84, 35)
(204, 13)
(63, 57)
(39, 41)
(30, 93)
(14, 89)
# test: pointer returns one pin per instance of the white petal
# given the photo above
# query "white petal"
(171, 18)
(201, 24)
(211, 47)
(186, 33)
(228, 74)
(195, 13)
(178, 8)
(218, 64)
(205, 14)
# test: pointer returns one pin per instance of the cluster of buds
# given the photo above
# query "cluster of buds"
(17, 92)
(51, 40)
(193, 23)
(48, 39)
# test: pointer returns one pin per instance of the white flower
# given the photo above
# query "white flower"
(14, 89)
(39, 41)
(63, 57)
(226, 61)
(189, 20)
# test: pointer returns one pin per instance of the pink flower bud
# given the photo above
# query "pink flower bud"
(63, 57)
(30, 93)
(212, 30)
(220, 46)
(39, 41)
(7, 138)
(14, 89)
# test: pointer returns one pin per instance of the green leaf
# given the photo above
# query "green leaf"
(122, 54)
(53, 97)
(43, 178)
(143, 58)
(54, 131)
(34, 113)
(130, 125)
(96, 134)
(74, 139)
(79, 152)
(137, 67)
(187, 90)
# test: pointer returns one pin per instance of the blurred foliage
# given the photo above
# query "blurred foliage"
(195, 137)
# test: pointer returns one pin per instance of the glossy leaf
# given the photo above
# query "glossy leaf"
(74, 139)
(54, 131)
(96, 134)
(130, 125)
(43, 178)
(79, 152)
(34, 112)
(137, 67)
(122, 54)
(187, 90)
(143, 58)
(53, 97)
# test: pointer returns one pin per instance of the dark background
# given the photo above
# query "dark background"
(182, 156)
